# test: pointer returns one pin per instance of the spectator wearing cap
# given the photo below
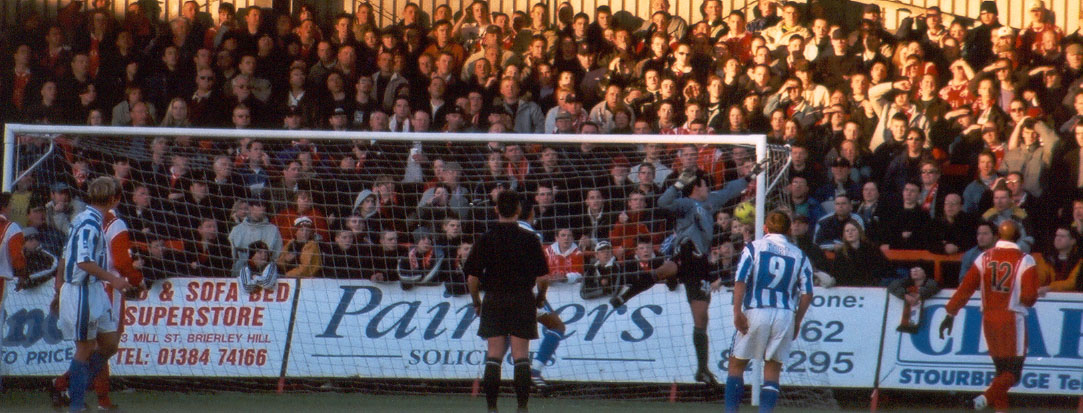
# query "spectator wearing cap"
(62, 207)
(841, 182)
(454, 119)
(255, 228)
(602, 276)
(978, 44)
(569, 102)
(1039, 21)
(300, 256)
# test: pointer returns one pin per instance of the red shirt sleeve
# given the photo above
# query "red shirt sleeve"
(15, 251)
(120, 249)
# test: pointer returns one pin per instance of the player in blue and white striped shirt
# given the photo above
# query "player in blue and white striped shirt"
(774, 286)
(85, 314)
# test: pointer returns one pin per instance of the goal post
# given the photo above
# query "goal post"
(330, 323)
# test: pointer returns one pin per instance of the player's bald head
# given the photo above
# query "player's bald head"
(1008, 231)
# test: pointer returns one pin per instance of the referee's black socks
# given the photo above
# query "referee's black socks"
(522, 381)
(491, 381)
(699, 340)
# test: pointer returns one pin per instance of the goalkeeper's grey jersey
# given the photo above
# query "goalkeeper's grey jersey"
(695, 219)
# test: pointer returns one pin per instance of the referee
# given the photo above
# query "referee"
(506, 262)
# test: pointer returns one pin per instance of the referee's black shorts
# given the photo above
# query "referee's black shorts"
(693, 270)
(503, 316)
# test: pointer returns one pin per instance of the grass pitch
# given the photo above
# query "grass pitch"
(237, 402)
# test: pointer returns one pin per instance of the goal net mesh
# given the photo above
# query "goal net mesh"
(334, 264)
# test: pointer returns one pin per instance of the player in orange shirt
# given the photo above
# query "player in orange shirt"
(12, 261)
(1009, 284)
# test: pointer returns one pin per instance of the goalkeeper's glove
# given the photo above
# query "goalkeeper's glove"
(687, 177)
(756, 170)
(946, 325)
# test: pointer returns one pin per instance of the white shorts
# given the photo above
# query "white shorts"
(85, 312)
(770, 333)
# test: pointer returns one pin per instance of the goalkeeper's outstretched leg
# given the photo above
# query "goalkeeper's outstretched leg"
(643, 281)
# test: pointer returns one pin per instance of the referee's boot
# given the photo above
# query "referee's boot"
(706, 377)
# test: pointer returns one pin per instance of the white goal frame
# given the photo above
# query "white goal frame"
(11, 130)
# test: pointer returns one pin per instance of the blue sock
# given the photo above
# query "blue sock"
(80, 376)
(97, 364)
(735, 387)
(548, 346)
(768, 396)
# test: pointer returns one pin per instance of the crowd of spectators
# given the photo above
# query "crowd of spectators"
(917, 137)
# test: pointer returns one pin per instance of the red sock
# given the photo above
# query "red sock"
(101, 387)
(997, 393)
(61, 382)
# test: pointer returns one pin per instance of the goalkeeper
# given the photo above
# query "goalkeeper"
(694, 205)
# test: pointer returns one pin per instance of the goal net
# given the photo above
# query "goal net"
(332, 260)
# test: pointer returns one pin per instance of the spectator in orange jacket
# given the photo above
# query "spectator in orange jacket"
(302, 207)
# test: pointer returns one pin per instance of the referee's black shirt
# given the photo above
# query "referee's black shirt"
(507, 260)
